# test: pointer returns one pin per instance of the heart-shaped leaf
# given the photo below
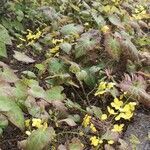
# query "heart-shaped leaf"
(36, 90)
(87, 42)
(9, 108)
(40, 138)
(55, 93)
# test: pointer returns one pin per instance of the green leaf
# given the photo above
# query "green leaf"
(71, 29)
(20, 91)
(81, 75)
(3, 51)
(35, 90)
(40, 138)
(115, 20)
(69, 121)
(87, 42)
(83, 45)
(56, 66)
(99, 19)
(9, 108)
(29, 74)
(75, 144)
(97, 111)
(74, 68)
(6, 74)
(3, 121)
(4, 36)
(55, 93)
(66, 47)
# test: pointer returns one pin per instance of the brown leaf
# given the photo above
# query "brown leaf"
(22, 57)
(136, 86)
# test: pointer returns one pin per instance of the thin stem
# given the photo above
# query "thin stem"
(87, 99)
(79, 95)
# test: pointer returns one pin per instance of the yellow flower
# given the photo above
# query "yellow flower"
(101, 88)
(103, 117)
(36, 122)
(95, 141)
(30, 36)
(92, 127)
(117, 128)
(105, 29)
(37, 35)
(132, 106)
(127, 115)
(100, 92)
(27, 123)
(111, 111)
(128, 107)
(110, 142)
(28, 133)
(110, 85)
(117, 104)
(54, 50)
(44, 126)
(55, 41)
(86, 120)
(31, 42)
(118, 117)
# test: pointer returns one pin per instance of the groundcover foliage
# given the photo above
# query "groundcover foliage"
(73, 72)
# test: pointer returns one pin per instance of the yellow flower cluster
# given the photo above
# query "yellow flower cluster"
(140, 13)
(121, 110)
(86, 120)
(95, 141)
(104, 87)
(35, 123)
(54, 50)
(117, 128)
(87, 123)
(92, 127)
(31, 37)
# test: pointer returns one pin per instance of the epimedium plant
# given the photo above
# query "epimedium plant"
(76, 52)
